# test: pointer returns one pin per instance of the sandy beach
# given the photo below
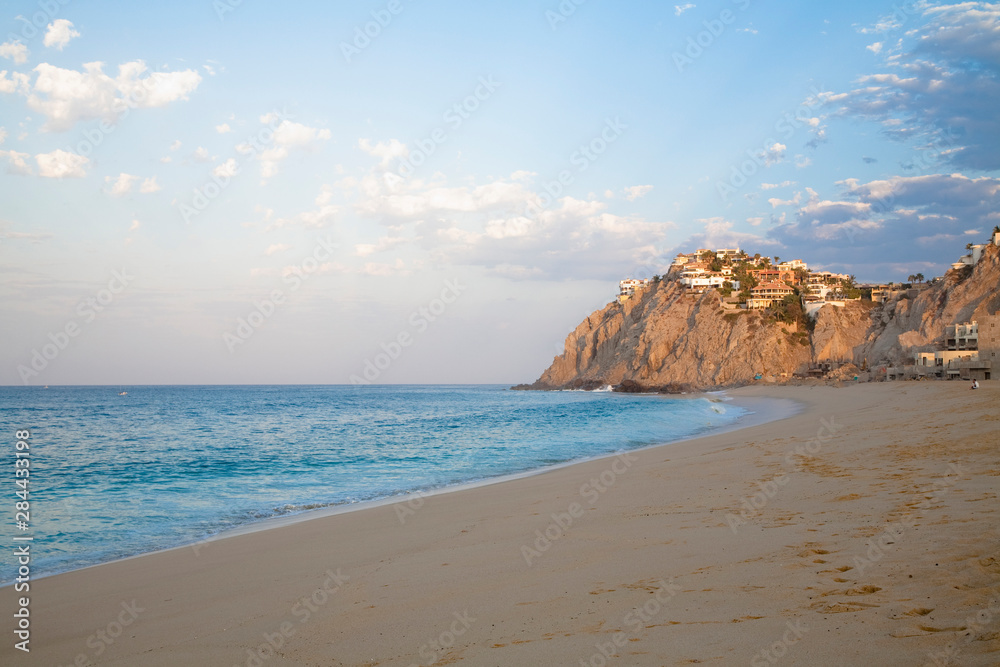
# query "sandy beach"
(863, 530)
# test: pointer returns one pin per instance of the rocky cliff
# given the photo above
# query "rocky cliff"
(663, 338)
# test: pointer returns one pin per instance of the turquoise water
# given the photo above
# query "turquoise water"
(115, 476)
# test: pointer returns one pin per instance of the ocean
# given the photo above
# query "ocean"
(114, 476)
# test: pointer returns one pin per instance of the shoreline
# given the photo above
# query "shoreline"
(760, 411)
(646, 532)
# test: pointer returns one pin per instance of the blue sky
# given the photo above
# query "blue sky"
(242, 193)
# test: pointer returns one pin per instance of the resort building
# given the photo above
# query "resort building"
(766, 294)
(773, 275)
(793, 265)
(626, 288)
(988, 338)
(706, 280)
(971, 351)
(964, 336)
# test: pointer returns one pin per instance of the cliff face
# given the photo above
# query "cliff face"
(663, 337)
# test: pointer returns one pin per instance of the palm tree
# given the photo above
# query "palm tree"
(911, 278)
(919, 277)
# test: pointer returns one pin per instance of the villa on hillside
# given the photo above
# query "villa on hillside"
(626, 288)
(766, 294)
(773, 275)
(793, 265)
(976, 252)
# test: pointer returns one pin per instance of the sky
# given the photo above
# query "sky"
(390, 191)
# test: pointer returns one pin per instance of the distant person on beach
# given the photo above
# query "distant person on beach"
(975, 384)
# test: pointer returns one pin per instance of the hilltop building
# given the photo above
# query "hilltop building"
(627, 288)
(765, 295)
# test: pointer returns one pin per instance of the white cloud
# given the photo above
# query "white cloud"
(16, 163)
(227, 169)
(17, 82)
(66, 96)
(318, 219)
(325, 195)
(503, 224)
(3, 134)
(149, 185)
(175, 145)
(387, 151)
(383, 244)
(719, 234)
(14, 50)
(775, 202)
(680, 9)
(135, 226)
(943, 91)
(60, 164)
(772, 186)
(275, 248)
(382, 270)
(774, 153)
(875, 48)
(637, 191)
(288, 136)
(223, 128)
(201, 154)
(59, 34)
(914, 220)
(122, 185)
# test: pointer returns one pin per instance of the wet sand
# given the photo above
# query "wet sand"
(863, 530)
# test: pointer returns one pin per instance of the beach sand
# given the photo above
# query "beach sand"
(863, 530)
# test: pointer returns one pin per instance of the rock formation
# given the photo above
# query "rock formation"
(666, 339)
